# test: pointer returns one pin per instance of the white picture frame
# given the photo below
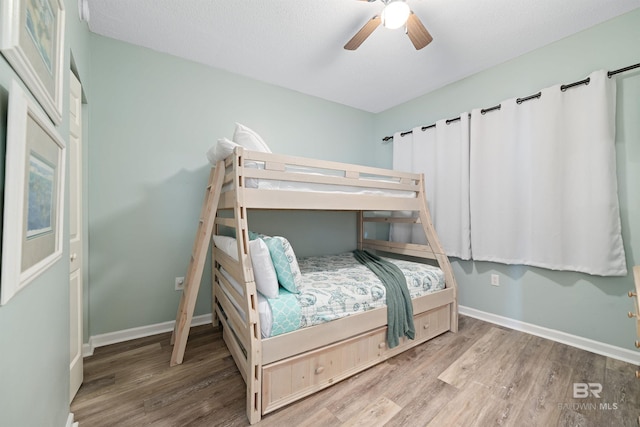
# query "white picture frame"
(34, 187)
(32, 40)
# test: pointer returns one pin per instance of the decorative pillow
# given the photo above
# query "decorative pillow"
(285, 262)
(221, 150)
(253, 235)
(263, 268)
(249, 139)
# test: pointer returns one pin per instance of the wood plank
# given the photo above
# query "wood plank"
(548, 390)
(224, 285)
(420, 393)
(324, 164)
(620, 399)
(338, 181)
(378, 412)
(431, 398)
(536, 413)
(516, 378)
(462, 370)
(366, 388)
(132, 385)
(392, 219)
(465, 408)
(636, 300)
(290, 199)
(410, 249)
(588, 368)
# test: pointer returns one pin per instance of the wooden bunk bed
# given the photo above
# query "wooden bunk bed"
(284, 368)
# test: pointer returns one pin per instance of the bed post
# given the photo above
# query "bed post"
(360, 230)
(253, 374)
(441, 256)
(215, 322)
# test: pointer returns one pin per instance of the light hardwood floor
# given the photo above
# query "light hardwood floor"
(482, 376)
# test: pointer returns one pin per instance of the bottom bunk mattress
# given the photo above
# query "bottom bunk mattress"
(336, 286)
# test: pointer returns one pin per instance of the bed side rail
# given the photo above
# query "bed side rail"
(271, 166)
(410, 249)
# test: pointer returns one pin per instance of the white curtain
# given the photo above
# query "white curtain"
(543, 181)
(441, 153)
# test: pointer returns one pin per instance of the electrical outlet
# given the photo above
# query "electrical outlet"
(179, 283)
(495, 280)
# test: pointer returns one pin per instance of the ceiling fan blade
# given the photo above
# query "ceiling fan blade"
(364, 32)
(417, 33)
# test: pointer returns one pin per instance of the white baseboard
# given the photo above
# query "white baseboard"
(133, 333)
(70, 422)
(587, 344)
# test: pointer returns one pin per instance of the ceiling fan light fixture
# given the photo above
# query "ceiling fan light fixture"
(395, 14)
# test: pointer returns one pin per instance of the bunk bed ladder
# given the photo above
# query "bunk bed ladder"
(196, 264)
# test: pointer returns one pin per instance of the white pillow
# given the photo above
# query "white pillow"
(249, 139)
(221, 150)
(263, 270)
(227, 245)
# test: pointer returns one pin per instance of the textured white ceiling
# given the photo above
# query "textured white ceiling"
(297, 44)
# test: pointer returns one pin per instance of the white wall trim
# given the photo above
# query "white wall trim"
(70, 422)
(139, 332)
(587, 344)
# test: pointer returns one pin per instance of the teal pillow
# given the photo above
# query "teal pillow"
(285, 262)
(254, 236)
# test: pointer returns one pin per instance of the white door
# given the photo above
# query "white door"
(75, 234)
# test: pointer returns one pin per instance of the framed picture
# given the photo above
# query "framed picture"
(34, 194)
(32, 40)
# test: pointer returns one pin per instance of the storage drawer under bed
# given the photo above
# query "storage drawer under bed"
(293, 378)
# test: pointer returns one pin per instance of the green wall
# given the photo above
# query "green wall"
(578, 304)
(34, 324)
(153, 117)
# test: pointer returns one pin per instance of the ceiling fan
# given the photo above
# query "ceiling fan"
(396, 13)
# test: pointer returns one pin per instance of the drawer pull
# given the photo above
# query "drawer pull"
(425, 326)
(319, 370)
(637, 344)
(381, 345)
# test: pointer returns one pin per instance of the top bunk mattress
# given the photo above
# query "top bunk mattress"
(268, 184)
(301, 179)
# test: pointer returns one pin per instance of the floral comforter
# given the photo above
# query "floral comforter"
(335, 286)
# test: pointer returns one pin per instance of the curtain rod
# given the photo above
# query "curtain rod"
(521, 100)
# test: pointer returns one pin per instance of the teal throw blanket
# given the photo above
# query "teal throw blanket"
(399, 306)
